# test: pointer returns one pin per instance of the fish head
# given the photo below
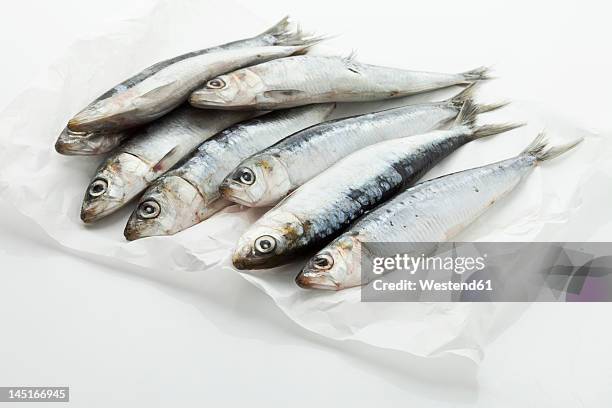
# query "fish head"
(239, 89)
(105, 113)
(118, 180)
(168, 206)
(87, 143)
(259, 181)
(335, 267)
(269, 242)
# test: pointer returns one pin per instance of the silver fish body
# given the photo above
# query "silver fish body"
(301, 80)
(189, 193)
(150, 153)
(430, 212)
(165, 85)
(320, 209)
(280, 169)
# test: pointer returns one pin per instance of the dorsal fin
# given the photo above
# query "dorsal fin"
(352, 57)
(351, 62)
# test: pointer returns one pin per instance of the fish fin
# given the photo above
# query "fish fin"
(491, 130)
(306, 44)
(478, 74)
(351, 62)
(352, 57)
(161, 92)
(539, 149)
(467, 117)
(279, 29)
(168, 160)
(467, 114)
(286, 33)
(489, 107)
(467, 94)
(282, 94)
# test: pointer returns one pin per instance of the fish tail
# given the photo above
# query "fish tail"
(491, 130)
(467, 117)
(478, 74)
(467, 114)
(540, 150)
(467, 94)
(288, 34)
(489, 107)
(280, 28)
(308, 43)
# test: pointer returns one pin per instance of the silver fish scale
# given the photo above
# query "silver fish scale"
(346, 80)
(217, 157)
(436, 210)
(183, 129)
(312, 150)
(363, 180)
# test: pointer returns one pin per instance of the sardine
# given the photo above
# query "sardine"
(308, 79)
(320, 209)
(189, 193)
(165, 85)
(266, 177)
(145, 156)
(430, 212)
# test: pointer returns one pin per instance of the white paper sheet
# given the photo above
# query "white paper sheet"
(560, 201)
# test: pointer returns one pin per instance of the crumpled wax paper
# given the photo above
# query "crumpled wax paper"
(566, 199)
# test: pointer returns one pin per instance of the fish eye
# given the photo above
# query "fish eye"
(149, 209)
(97, 187)
(245, 176)
(216, 83)
(323, 261)
(265, 244)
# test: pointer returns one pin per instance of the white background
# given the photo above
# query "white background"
(121, 340)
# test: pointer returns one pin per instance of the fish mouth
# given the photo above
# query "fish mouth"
(242, 262)
(62, 147)
(68, 140)
(132, 233)
(94, 211)
(89, 215)
(314, 280)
